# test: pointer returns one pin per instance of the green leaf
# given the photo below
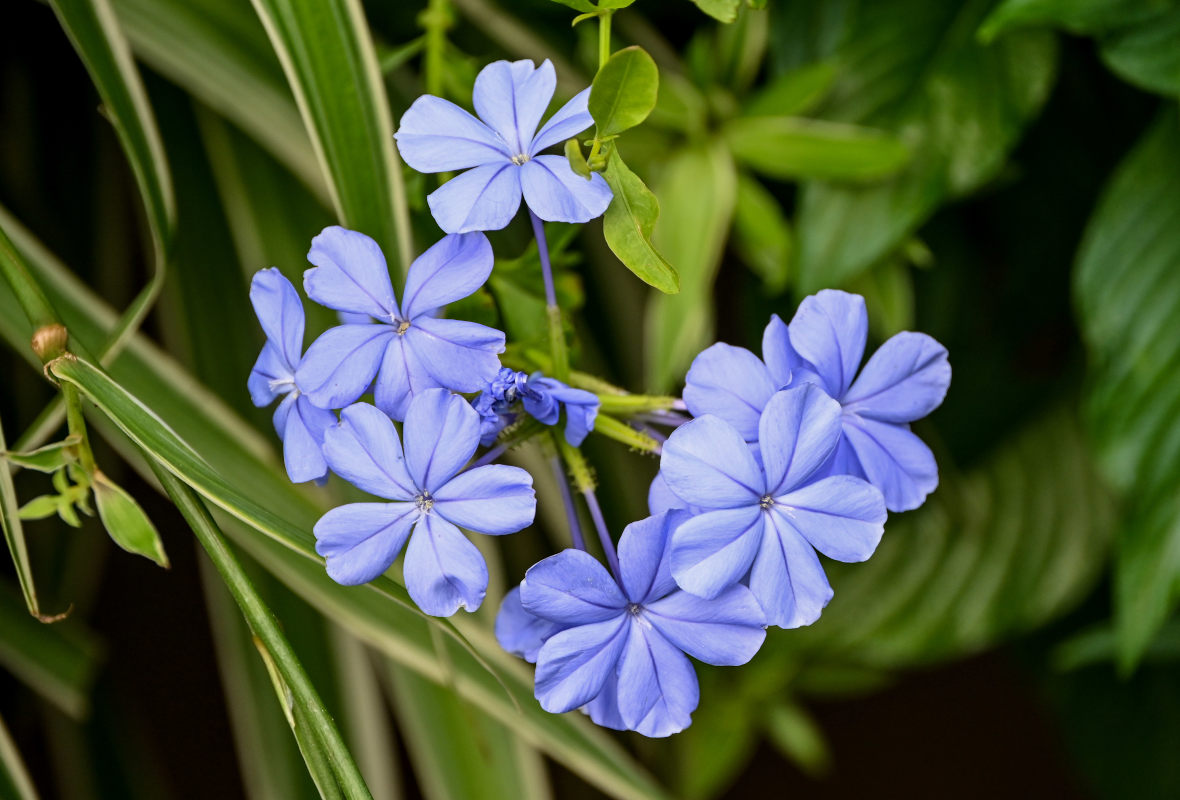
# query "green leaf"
(959, 106)
(699, 190)
(41, 507)
(14, 533)
(217, 50)
(325, 45)
(49, 458)
(126, 522)
(232, 454)
(94, 31)
(794, 148)
(573, 154)
(459, 753)
(1146, 53)
(624, 91)
(14, 777)
(797, 736)
(1127, 285)
(762, 234)
(628, 225)
(722, 10)
(792, 93)
(1076, 16)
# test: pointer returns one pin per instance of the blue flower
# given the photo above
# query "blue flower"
(409, 349)
(298, 423)
(764, 521)
(620, 650)
(542, 398)
(903, 381)
(510, 98)
(430, 495)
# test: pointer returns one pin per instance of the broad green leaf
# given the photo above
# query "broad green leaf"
(217, 50)
(792, 93)
(741, 49)
(797, 736)
(699, 190)
(1146, 53)
(792, 148)
(624, 91)
(14, 777)
(1127, 285)
(628, 225)
(325, 45)
(14, 532)
(59, 662)
(232, 452)
(761, 233)
(94, 31)
(1076, 16)
(126, 522)
(959, 106)
(456, 751)
(721, 10)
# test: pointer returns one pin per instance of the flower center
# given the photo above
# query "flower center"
(766, 502)
(282, 385)
(633, 609)
(520, 158)
(403, 325)
(424, 502)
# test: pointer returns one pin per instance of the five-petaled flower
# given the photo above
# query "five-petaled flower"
(502, 150)
(904, 380)
(618, 647)
(430, 494)
(408, 349)
(763, 522)
(298, 423)
(542, 398)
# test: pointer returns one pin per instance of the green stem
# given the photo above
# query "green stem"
(264, 625)
(633, 403)
(435, 21)
(15, 536)
(77, 425)
(604, 37)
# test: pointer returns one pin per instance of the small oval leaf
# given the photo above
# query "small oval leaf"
(126, 522)
(624, 91)
(628, 223)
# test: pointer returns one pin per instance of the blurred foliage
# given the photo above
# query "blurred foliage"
(1003, 175)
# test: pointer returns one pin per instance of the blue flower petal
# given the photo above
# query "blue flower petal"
(451, 269)
(512, 97)
(787, 367)
(303, 438)
(349, 274)
(443, 570)
(572, 588)
(442, 433)
(660, 498)
(573, 665)
(730, 383)
(725, 631)
(361, 540)
(401, 377)
(842, 517)
(555, 193)
(903, 381)
(269, 370)
(436, 135)
(706, 463)
(643, 556)
(494, 499)
(895, 460)
(570, 120)
(364, 449)
(713, 551)
(604, 708)
(829, 330)
(457, 354)
(787, 578)
(520, 632)
(339, 366)
(482, 199)
(658, 689)
(798, 432)
(280, 312)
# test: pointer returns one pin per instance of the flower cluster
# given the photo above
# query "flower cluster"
(779, 459)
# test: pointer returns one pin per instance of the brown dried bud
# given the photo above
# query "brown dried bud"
(49, 341)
